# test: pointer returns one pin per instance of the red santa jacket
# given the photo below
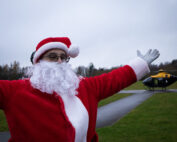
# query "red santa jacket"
(34, 116)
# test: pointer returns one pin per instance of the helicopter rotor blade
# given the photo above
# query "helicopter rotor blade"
(164, 71)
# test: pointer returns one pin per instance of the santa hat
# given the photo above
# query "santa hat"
(62, 43)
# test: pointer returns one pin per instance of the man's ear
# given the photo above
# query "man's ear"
(32, 56)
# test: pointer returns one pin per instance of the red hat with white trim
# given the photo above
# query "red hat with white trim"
(62, 43)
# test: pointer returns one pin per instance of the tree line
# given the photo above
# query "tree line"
(15, 72)
(12, 71)
(170, 67)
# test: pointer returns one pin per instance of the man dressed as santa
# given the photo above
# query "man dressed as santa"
(54, 104)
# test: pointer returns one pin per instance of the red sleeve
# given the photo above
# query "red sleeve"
(4, 91)
(110, 83)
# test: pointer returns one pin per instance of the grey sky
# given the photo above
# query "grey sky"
(108, 32)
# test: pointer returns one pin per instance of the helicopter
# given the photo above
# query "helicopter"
(161, 79)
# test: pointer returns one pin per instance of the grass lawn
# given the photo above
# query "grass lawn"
(3, 123)
(136, 86)
(155, 120)
(140, 86)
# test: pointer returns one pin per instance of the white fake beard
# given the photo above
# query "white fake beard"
(50, 77)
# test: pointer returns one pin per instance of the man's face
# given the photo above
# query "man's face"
(55, 55)
(53, 74)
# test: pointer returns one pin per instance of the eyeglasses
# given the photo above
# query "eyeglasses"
(54, 57)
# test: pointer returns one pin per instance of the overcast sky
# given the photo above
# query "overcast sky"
(108, 32)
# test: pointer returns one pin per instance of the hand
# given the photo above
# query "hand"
(150, 56)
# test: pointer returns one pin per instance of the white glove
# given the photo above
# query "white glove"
(150, 56)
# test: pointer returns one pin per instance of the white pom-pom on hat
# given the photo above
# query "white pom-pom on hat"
(73, 51)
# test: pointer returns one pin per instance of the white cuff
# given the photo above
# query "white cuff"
(140, 67)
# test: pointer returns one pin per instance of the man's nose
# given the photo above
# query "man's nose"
(59, 60)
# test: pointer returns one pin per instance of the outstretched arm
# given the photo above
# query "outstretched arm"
(102, 118)
(4, 90)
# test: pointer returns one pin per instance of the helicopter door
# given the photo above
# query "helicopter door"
(155, 82)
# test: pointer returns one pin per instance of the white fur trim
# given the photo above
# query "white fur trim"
(73, 51)
(140, 67)
(48, 46)
(77, 115)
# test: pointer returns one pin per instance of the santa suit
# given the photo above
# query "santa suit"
(34, 116)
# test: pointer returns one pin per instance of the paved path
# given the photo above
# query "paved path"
(141, 91)
(123, 106)
(4, 136)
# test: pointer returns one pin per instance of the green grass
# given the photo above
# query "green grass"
(140, 86)
(173, 86)
(155, 120)
(3, 123)
(136, 86)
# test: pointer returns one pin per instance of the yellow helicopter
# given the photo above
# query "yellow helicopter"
(162, 79)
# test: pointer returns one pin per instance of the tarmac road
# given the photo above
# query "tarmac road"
(123, 106)
(4, 136)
